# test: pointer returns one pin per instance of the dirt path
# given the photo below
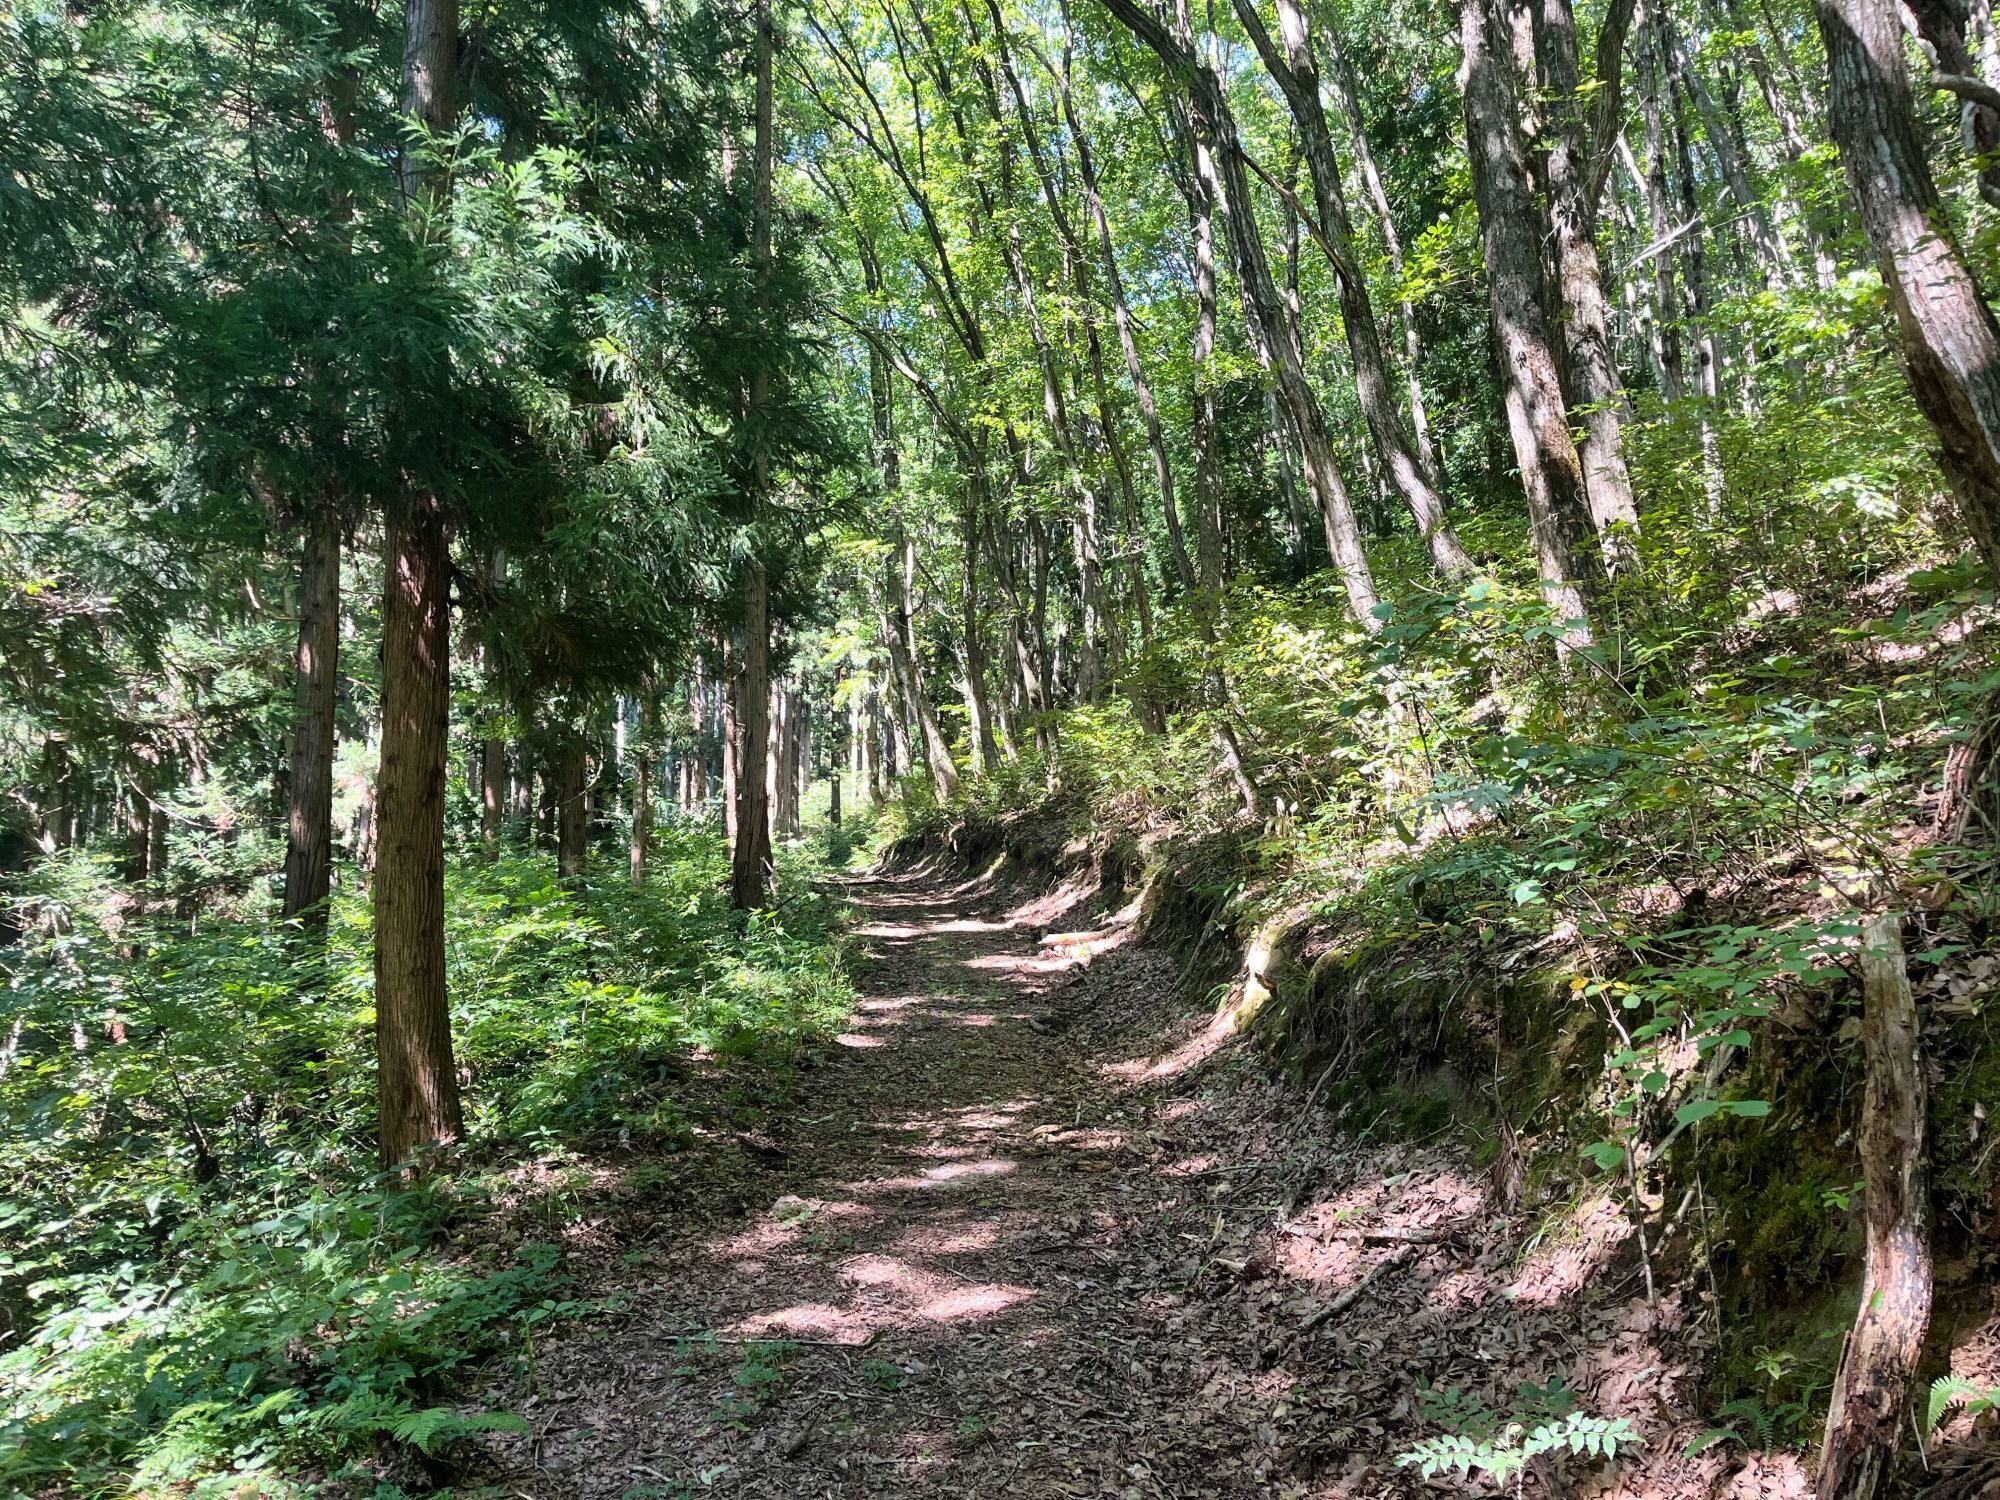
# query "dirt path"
(936, 1301)
(1024, 1235)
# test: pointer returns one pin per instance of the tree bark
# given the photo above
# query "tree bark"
(732, 746)
(1551, 473)
(750, 855)
(1865, 1421)
(1942, 25)
(309, 820)
(308, 875)
(572, 806)
(492, 754)
(750, 859)
(973, 653)
(1951, 344)
(1149, 407)
(1371, 177)
(418, 1082)
(1660, 218)
(642, 818)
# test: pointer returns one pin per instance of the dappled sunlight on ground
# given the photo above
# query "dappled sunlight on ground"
(1031, 1232)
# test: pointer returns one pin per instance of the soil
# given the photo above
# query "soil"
(1039, 1225)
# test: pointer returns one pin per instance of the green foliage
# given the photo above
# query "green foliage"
(1949, 1392)
(1499, 1444)
(883, 1374)
(202, 1270)
(758, 1379)
(1750, 1422)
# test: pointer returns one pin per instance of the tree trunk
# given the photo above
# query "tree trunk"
(1371, 176)
(308, 875)
(1202, 205)
(1942, 25)
(1551, 473)
(492, 752)
(492, 795)
(732, 746)
(1660, 218)
(1773, 253)
(417, 1079)
(572, 806)
(1272, 331)
(642, 818)
(908, 665)
(1865, 1421)
(1951, 344)
(750, 855)
(138, 820)
(419, 1084)
(1574, 172)
(750, 858)
(648, 752)
(973, 653)
(1149, 407)
(309, 820)
(1296, 69)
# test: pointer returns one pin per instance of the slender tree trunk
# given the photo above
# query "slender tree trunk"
(308, 875)
(1951, 344)
(750, 854)
(156, 818)
(1575, 173)
(1296, 69)
(1696, 308)
(138, 862)
(1135, 370)
(1207, 462)
(973, 655)
(732, 746)
(492, 795)
(572, 806)
(750, 858)
(1660, 216)
(698, 726)
(492, 751)
(1272, 331)
(1865, 1421)
(1551, 473)
(1731, 156)
(642, 784)
(1371, 177)
(309, 823)
(1942, 25)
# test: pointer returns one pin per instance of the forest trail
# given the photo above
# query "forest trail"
(1034, 1228)
(951, 1253)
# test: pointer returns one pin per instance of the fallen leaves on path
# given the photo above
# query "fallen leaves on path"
(1034, 1229)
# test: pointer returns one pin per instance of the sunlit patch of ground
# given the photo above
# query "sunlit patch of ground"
(956, 1174)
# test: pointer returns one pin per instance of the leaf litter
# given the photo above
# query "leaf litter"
(1034, 1228)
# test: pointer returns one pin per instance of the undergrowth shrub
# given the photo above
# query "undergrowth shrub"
(203, 1273)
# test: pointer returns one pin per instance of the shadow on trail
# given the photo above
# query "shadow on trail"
(1022, 1234)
